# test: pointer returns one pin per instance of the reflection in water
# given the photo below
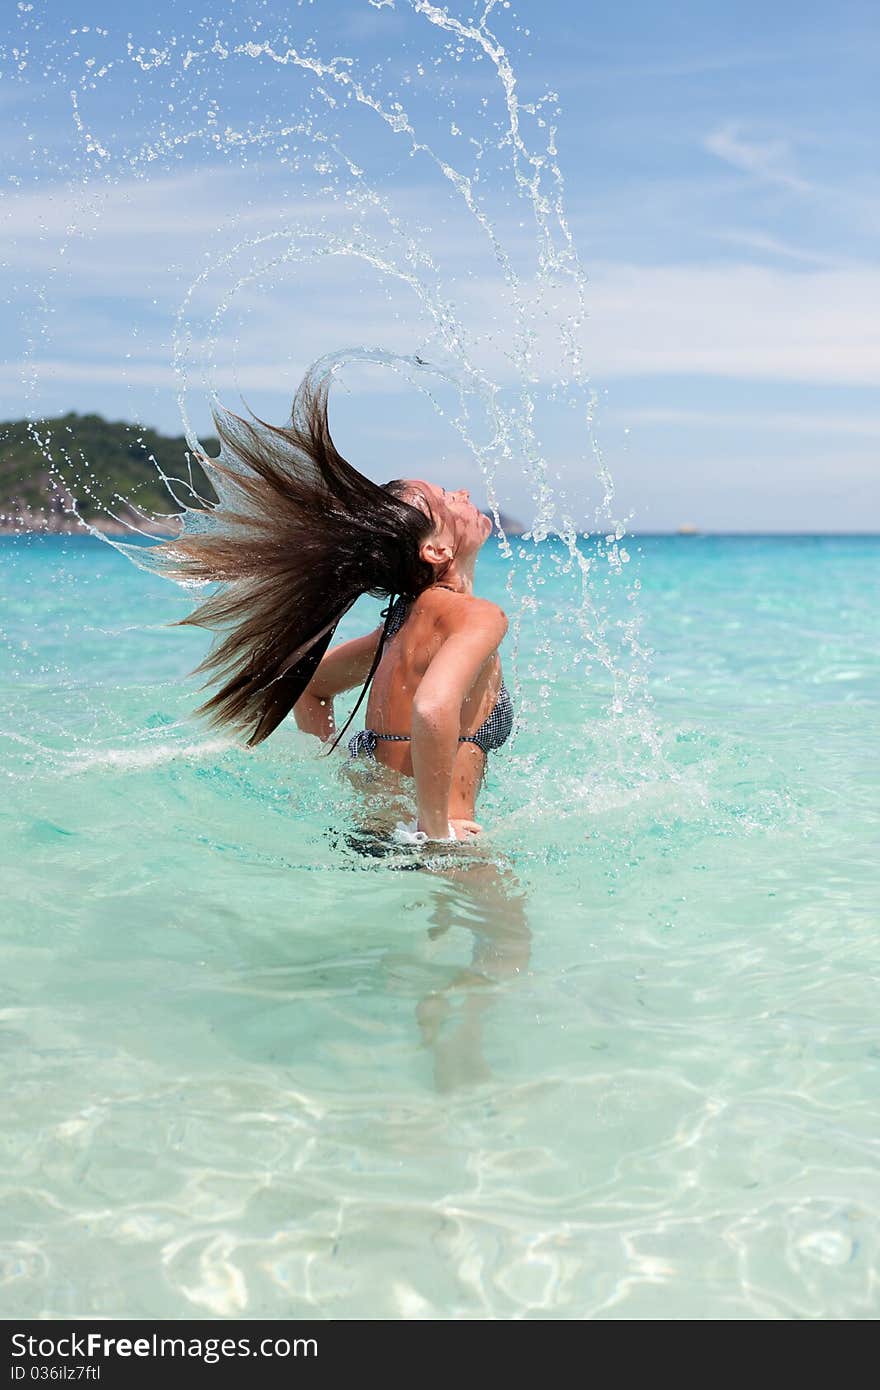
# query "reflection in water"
(489, 900)
(482, 895)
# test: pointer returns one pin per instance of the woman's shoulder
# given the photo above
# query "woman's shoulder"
(453, 611)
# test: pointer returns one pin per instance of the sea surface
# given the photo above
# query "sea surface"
(621, 1061)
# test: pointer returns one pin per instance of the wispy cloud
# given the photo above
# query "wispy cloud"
(745, 322)
(773, 246)
(770, 161)
(809, 422)
(740, 322)
(608, 68)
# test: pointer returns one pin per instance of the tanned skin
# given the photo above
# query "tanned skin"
(439, 676)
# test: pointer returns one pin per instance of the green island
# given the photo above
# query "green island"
(112, 468)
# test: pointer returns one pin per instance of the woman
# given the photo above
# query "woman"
(297, 536)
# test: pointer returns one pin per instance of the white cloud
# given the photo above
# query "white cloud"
(251, 376)
(813, 423)
(756, 241)
(116, 230)
(740, 321)
(144, 240)
(767, 160)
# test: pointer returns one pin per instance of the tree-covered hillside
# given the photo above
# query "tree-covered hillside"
(99, 461)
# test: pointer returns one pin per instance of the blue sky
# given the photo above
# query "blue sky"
(720, 186)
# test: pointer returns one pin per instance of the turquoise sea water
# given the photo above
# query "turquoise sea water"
(624, 1063)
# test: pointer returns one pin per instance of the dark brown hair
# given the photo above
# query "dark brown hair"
(296, 536)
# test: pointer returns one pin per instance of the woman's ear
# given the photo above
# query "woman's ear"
(436, 551)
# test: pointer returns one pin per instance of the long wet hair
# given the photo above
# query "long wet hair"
(296, 537)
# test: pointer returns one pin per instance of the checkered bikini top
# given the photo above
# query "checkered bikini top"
(492, 733)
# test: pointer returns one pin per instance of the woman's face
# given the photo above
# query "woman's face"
(460, 525)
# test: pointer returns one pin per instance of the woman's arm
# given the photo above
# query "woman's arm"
(342, 668)
(437, 709)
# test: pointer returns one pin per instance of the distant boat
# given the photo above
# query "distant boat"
(687, 529)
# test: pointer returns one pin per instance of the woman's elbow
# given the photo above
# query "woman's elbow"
(432, 715)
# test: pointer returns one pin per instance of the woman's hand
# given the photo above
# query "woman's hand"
(461, 829)
(314, 715)
(465, 829)
(418, 833)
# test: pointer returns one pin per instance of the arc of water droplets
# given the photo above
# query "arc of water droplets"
(398, 122)
(440, 312)
(551, 259)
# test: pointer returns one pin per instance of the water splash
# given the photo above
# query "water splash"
(419, 182)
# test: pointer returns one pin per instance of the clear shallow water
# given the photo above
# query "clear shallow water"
(624, 1065)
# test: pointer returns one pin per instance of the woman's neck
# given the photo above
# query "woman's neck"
(459, 576)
